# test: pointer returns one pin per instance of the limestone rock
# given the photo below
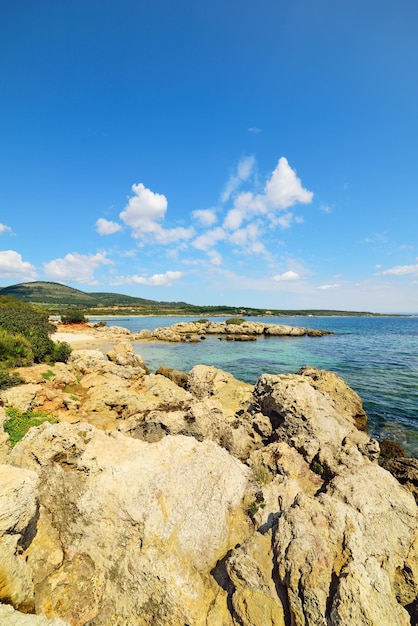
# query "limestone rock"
(282, 330)
(405, 470)
(180, 378)
(21, 397)
(345, 399)
(310, 421)
(123, 354)
(10, 617)
(83, 361)
(254, 596)
(18, 491)
(206, 381)
(141, 525)
(166, 334)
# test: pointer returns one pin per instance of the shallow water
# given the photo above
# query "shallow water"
(377, 356)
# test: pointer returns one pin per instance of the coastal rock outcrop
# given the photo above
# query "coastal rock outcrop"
(140, 525)
(199, 499)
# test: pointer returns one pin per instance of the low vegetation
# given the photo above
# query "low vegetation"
(18, 423)
(9, 379)
(235, 321)
(25, 335)
(73, 316)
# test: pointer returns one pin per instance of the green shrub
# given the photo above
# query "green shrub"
(19, 423)
(15, 349)
(8, 379)
(61, 351)
(235, 320)
(73, 316)
(21, 319)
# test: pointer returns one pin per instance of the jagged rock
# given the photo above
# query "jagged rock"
(282, 330)
(112, 331)
(123, 354)
(405, 470)
(254, 595)
(346, 400)
(206, 381)
(243, 331)
(180, 378)
(18, 490)
(84, 361)
(141, 525)
(166, 527)
(166, 334)
(21, 397)
(310, 421)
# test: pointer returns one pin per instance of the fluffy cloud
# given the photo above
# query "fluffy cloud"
(244, 171)
(157, 280)
(104, 227)
(78, 268)
(290, 275)
(144, 211)
(5, 229)
(282, 190)
(400, 270)
(13, 266)
(207, 217)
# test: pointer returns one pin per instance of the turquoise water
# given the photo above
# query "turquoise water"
(377, 356)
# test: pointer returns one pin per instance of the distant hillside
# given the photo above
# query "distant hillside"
(55, 297)
(49, 293)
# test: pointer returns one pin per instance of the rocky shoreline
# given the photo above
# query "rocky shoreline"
(232, 330)
(176, 498)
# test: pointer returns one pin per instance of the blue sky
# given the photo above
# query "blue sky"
(225, 152)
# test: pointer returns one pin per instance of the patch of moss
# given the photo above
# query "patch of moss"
(19, 423)
(48, 375)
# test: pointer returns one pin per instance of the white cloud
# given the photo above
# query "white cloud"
(400, 270)
(157, 280)
(143, 213)
(78, 268)
(209, 239)
(5, 229)
(13, 266)
(328, 287)
(207, 217)
(255, 130)
(284, 189)
(290, 275)
(104, 227)
(244, 171)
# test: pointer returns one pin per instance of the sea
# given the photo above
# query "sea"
(376, 356)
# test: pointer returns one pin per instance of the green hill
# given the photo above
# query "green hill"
(55, 297)
(58, 296)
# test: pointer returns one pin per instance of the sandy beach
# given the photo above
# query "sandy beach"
(83, 340)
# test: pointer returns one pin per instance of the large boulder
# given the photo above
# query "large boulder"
(18, 509)
(140, 525)
(312, 421)
(123, 354)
